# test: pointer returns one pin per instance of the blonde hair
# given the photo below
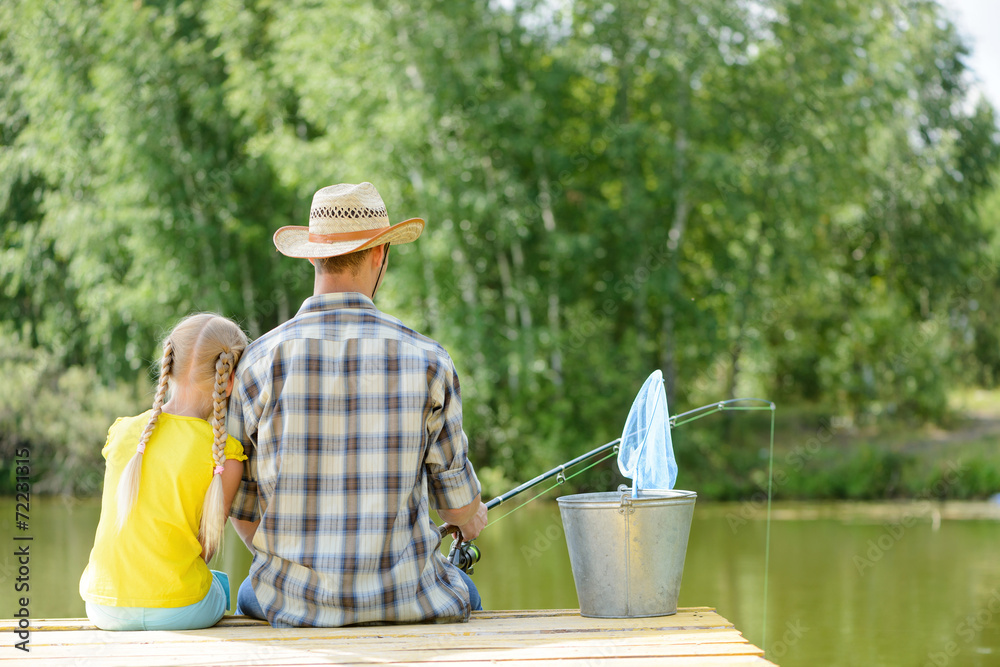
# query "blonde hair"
(201, 349)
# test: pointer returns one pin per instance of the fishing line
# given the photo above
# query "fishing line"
(767, 531)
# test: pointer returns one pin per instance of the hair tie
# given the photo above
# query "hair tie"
(218, 470)
(141, 449)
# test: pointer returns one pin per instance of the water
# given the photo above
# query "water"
(849, 584)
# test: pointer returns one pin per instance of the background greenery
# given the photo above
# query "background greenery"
(788, 199)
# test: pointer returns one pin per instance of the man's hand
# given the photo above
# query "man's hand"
(471, 528)
(470, 519)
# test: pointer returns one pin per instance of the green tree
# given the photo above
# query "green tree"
(782, 198)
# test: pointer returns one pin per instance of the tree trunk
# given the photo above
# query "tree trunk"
(510, 314)
(553, 317)
(249, 297)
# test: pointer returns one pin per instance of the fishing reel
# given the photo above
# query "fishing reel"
(464, 555)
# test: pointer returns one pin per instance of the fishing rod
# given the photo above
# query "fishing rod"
(465, 554)
(555, 472)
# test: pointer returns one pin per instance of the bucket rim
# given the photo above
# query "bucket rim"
(645, 497)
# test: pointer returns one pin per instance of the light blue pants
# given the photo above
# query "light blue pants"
(202, 614)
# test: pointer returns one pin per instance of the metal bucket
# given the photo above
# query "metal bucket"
(627, 553)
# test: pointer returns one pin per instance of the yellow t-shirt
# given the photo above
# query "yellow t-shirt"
(156, 559)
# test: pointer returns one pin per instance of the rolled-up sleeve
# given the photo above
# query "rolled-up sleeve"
(451, 479)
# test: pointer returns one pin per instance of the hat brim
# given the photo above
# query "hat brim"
(293, 240)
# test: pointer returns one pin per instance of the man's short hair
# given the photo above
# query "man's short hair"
(352, 261)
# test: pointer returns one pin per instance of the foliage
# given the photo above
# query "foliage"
(784, 198)
(61, 414)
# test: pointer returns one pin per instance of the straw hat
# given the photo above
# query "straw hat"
(345, 218)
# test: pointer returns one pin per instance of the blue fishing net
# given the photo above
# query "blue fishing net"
(646, 454)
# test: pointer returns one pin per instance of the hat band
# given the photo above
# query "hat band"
(360, 235)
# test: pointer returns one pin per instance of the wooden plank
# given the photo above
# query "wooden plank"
(317, 654)
(529, 625)
(76, 641)
(97, 637)
(693, 636)
(228, 653)
(165, 661)
(39, 625)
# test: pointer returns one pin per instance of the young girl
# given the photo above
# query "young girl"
(170, 479)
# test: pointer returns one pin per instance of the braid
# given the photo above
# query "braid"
(128, 485)
(213, 515)
(166, 365)
(223, 367)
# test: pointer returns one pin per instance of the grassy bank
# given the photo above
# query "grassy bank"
(821, 456)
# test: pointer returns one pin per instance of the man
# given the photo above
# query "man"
(353, 427)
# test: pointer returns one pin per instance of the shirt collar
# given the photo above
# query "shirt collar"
(335, 301)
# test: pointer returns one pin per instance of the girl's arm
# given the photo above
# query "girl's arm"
(231, 477)
(232, 473)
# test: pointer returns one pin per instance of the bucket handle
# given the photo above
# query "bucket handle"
(626, 501)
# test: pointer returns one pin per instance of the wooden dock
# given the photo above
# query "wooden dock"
(540, 638)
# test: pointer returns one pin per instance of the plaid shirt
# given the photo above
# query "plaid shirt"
(353, 427)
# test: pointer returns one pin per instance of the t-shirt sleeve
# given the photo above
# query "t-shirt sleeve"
(107, 443)
(234, 450)
(451, 479)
